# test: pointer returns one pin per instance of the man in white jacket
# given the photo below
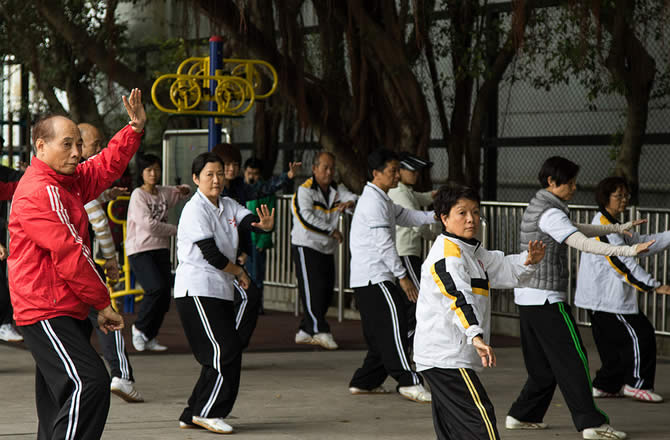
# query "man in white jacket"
(454, 315)
(408, 239)
(375, 265)
(317, 205)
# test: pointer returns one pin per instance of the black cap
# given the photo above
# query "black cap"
(413, 163)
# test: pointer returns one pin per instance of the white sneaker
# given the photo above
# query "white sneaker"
(9, 333)
(325, 340)
(416, 393)
(642, 395)
(184, 425)
(302, 337)
(153, 345)
(125, 389)
(378, 390)
(214, 425)
(139, 340)
(601, 394)
(603, 432)
(512, 423)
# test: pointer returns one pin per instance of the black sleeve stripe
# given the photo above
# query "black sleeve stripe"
(481, 283)
(211, 253)
(623, 270)
(460, 303)
(320, 205)
(303, 222)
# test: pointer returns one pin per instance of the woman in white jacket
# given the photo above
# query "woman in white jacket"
(453, 315)
(608, 288)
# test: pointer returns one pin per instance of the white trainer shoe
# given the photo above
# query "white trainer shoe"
(214, 425)
(302, 337)
(9, 333)
(325, 340)
(139, 340)
(602, 394)
(642, 395)
(378, 390)
(603, 432)
(416, 393)
(125, 389)
(184, 425)
(512, 423)
(153, 345)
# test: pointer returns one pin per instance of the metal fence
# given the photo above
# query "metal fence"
(501, 232)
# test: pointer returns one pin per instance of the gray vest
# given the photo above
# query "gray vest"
(552, 271)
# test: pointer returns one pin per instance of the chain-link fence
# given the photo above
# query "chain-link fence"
(541, 111)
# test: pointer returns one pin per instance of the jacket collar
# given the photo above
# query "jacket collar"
(206, 202)
(471, 241)
(378, 190)
(608, 216)
(315, 184)
(62, 179)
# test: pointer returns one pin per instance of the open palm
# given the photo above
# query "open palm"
(135, 109)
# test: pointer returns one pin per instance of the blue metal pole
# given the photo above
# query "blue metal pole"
(215, 63)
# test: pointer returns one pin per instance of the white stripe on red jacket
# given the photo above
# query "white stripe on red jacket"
(50, 266)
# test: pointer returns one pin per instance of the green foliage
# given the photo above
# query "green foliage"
(568, 44)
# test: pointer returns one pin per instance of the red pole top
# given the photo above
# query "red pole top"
(216, 39)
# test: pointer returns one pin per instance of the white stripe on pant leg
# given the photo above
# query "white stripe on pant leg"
(308, 293)
(396, 333)
(216, 356)
(71, 369)
(243, 304)
(121, 355)
(410, 271)
(636, 350)
(212, 397)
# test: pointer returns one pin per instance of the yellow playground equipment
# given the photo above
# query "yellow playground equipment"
(238, 85)
(124, 273)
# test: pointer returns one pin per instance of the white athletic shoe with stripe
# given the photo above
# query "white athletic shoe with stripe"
(603, 432)
(217, 425)
(512, 423)
(642, 395)
(416, 393)
(601, 394)
(126, 390)
(378, 390)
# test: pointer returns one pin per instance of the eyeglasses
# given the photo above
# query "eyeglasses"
(620, 196)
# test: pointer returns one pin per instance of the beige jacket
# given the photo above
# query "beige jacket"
(408, 239)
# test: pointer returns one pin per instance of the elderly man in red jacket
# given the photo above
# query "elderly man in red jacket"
(53, 282)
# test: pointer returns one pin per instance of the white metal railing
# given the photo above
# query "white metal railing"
(500, 230)
(504, 219)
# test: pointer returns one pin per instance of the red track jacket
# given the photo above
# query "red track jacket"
(51, 269)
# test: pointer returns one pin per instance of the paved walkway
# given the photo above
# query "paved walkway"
(303, 395)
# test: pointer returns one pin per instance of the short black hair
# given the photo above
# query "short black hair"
(253, 162)
(448, 195)
(607, 187)
(378, 159)
(201, 160)
(144, 161)
(558, 168)
(228, 153)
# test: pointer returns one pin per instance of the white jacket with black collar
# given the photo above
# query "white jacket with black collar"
(454, 305)
(610, 283)
(315, 215)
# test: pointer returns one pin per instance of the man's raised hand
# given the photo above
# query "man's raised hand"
(135, 109)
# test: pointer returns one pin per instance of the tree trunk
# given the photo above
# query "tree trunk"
(634, 69)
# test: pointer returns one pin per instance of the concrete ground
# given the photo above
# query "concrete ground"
(303, 395)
